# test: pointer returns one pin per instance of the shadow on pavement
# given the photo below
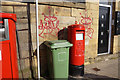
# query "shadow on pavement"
(89, 76)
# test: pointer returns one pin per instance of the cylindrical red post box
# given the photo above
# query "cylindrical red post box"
(76, 36)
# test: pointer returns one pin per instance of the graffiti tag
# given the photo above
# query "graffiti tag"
(50, 27)
(87, 21)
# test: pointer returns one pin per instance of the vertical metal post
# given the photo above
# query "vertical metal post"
(38, 59)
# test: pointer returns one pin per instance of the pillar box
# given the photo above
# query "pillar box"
(76, 36)
(8, 51)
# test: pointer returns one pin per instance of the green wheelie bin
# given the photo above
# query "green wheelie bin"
(58, 58)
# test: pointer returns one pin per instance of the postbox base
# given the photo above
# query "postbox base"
(76, 70)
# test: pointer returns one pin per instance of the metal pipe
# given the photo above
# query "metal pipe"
(38, 59)
(110, 27)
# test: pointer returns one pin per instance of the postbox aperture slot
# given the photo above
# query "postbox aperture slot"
(4, 34)
(79, 35)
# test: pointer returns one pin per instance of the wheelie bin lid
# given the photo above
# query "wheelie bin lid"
(58, 44)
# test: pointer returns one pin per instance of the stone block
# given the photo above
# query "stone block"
(40, 38)
(40, 17)
(32, 9)
(91, 49)
(66, 20)
(117, 6)
(23, 36)
(34, 38)
(34, 46)
(24, 46)
(62, 11)
(91, 54)
(25, 68)
(61, 26)
(22, 21)
(33, 28)
(33, 18)
(92, 6)
(70, 4)
(75, 5)
(93, 43)
(95, 21)
(93, 14)
(60, 3)
(116, 40)
(21, 12)
(92, 33)
(78, 19)
(40, 46)
(87, 5)
(21, 26)
(12, 3)
(51, 38)
(95, 34)
(116, 44)
(46, 10)
(78, 12)
(7, 9)
(93, 1)
(24, 54)
(24, 63)
(80, 5)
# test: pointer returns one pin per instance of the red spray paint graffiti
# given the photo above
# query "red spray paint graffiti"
(51, 25)
(87, 21)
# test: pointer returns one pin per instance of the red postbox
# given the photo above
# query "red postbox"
(8, 52)
(76, 36)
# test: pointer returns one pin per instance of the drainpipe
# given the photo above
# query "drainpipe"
(38, 59)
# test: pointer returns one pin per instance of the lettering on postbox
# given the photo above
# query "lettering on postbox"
(79, 43)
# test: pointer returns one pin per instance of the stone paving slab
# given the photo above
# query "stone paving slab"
(105, 70)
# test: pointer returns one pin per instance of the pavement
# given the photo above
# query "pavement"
(104, 70)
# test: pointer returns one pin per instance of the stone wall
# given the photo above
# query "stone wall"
(26, 31)
(63, 17)
(92, 44)
(117, 5)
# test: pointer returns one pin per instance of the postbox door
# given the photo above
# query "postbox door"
(5, 55)
(79, 43)
(0, 64)
(5, 60)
